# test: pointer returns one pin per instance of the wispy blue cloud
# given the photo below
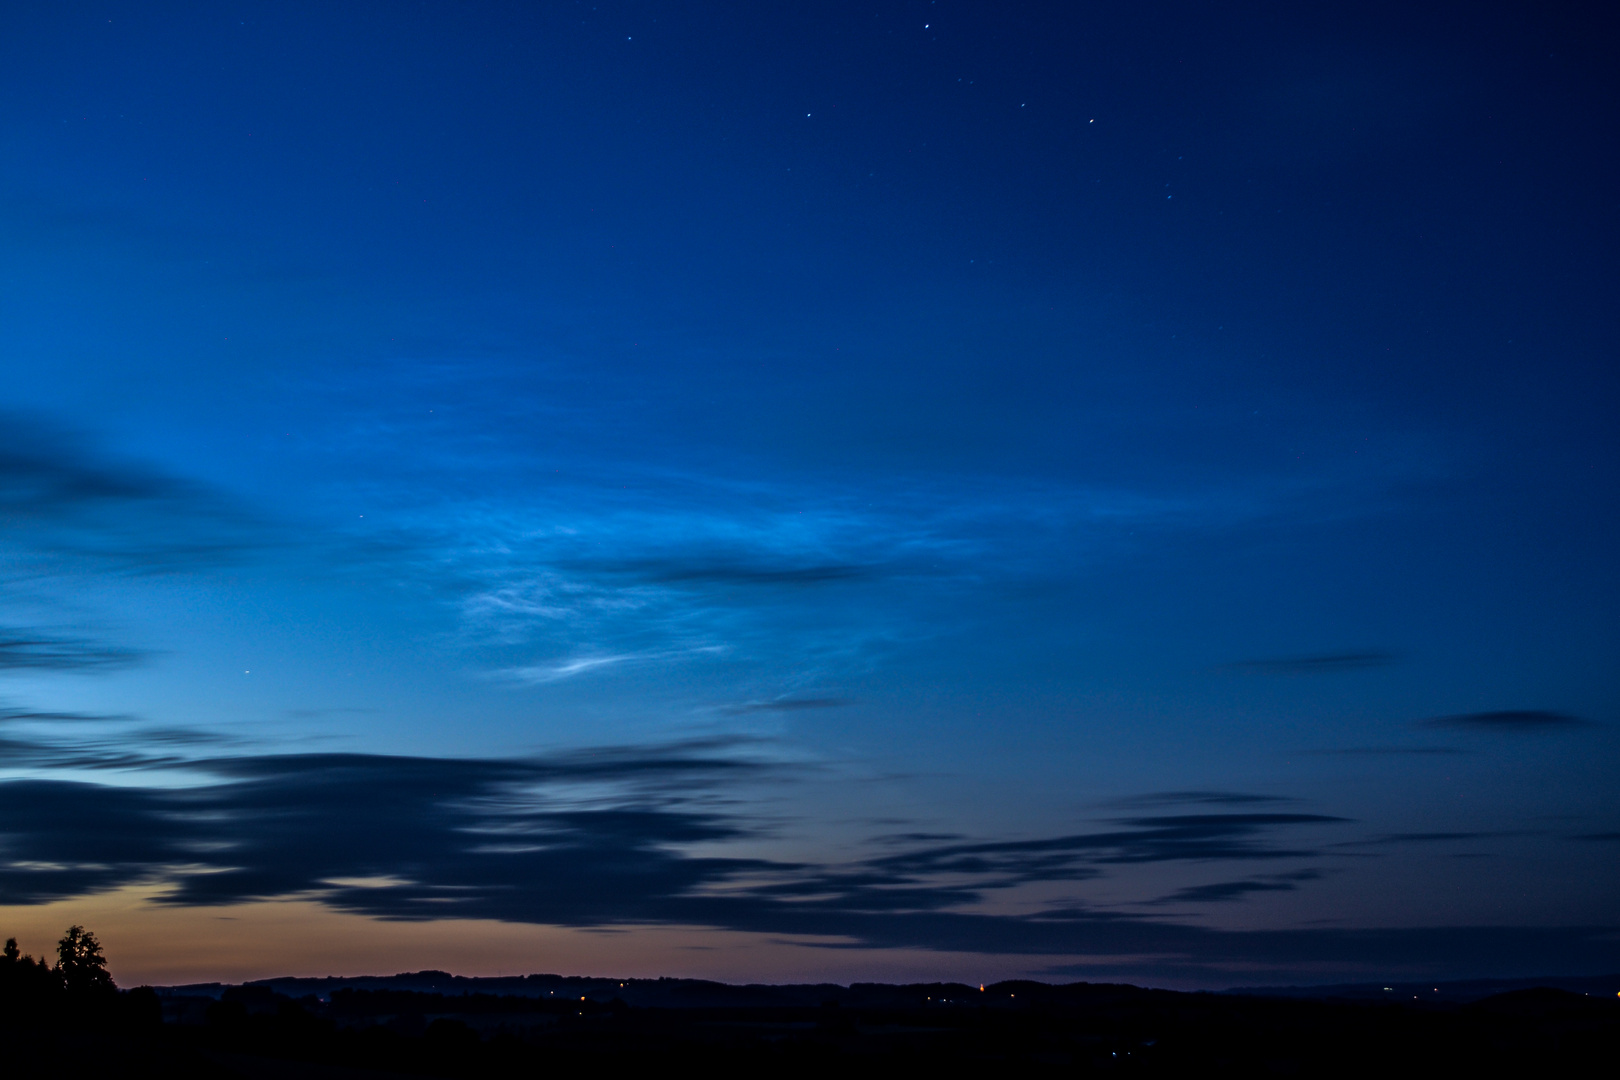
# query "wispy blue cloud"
(668, 568)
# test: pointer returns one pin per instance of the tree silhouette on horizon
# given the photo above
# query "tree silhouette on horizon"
(81, 965)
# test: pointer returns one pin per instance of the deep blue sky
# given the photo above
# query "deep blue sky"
(1067, 490)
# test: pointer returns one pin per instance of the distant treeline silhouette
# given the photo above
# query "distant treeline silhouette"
(76, 985)
(73, 1019)
(80, 972)
(68, 1019)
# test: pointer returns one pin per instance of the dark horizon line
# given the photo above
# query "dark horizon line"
(427, 978)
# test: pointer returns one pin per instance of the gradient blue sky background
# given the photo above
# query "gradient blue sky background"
(873, 490)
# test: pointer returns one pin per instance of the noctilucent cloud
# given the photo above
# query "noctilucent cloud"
(899, 490)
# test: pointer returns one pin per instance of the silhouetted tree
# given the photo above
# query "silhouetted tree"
(80, 964)
(25, 983)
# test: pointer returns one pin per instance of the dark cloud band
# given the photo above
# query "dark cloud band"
(425, 838)
(503, 838)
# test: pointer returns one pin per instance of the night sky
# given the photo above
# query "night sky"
(840, 491)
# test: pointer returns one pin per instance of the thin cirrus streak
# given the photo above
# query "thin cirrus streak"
(539, 674)
(545, 673)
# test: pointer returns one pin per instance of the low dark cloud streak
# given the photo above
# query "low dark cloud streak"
(1396, 839)
(63, 506)
(1509, 720)
(1224, 891)
(1388, 751)
(1214, 798)
(787, 705)
(1324, 664)
(37, 650)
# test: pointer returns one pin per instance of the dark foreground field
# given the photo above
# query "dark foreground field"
(567, 1027)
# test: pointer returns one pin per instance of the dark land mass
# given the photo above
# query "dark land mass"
(1459, 992)
(692, 993)
(433, 1025)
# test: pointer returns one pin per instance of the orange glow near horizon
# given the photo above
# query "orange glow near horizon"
(148, 942)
